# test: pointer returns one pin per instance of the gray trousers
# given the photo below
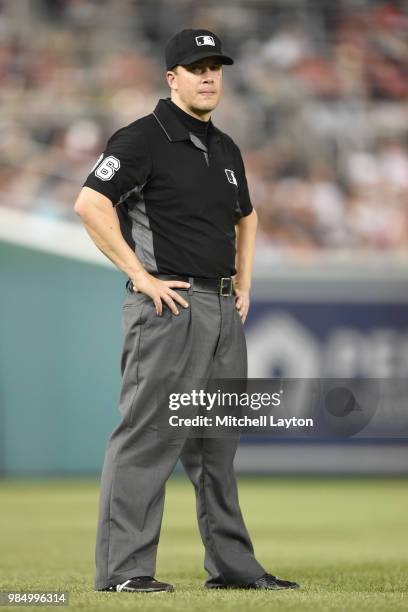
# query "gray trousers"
(205, 341)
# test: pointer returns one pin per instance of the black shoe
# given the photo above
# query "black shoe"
(272, 583)
(141, 584)
(265, 582)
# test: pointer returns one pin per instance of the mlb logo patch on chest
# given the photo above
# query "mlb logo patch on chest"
(205, 40)
(231, 177)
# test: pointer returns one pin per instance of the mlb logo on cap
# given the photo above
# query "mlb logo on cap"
(205, 40)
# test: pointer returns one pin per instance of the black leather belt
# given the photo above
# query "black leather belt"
(223, 286)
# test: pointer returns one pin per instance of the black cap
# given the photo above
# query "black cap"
(189, 46)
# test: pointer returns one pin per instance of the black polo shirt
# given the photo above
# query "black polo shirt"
(177, 198)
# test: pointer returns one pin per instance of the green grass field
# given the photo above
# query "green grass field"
(345, 541)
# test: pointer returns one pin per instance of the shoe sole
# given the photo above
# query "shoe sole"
(234, 586)
(113, 590)
(136, 591)
(146, 591)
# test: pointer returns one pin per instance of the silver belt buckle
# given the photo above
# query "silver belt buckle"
(228, 287)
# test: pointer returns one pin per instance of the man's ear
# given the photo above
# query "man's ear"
(171, 76)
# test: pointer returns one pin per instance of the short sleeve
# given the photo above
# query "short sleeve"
(123, 167)
(244, 205)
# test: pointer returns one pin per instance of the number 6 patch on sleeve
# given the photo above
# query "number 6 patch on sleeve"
(107, 168)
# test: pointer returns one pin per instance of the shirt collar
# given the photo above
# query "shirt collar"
(171, 124)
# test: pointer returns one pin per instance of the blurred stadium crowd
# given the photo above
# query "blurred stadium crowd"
(317, 101)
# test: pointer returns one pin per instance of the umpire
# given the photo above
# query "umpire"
(168, 203)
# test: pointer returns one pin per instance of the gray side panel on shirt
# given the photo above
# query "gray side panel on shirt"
(141, 232)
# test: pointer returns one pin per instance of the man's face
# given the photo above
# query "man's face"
(198, 85)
